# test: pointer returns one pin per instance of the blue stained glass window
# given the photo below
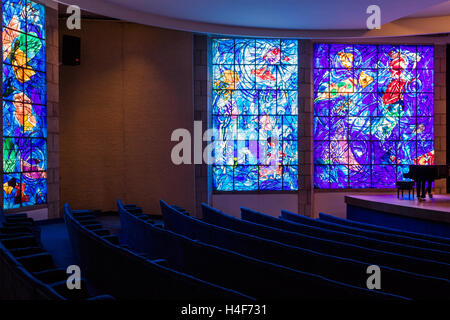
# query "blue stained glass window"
(255, 112)
(373, 113)
(24, 104)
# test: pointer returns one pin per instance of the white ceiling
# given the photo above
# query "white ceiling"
(280, 14)
(442, 9)
(232, 15)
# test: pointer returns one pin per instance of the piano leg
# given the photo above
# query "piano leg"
(430, 182)
(424, 193)
(417, 188)
(420, 189)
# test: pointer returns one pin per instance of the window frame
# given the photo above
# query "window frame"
(210, 117)
(42, 70)
(314, 92)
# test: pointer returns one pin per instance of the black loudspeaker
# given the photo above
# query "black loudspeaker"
(71, 50)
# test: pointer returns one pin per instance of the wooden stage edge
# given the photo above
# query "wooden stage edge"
(436, 209)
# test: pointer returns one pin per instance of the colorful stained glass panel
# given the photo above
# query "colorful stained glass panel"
(373, 113)
(255, 109)
(24, 104)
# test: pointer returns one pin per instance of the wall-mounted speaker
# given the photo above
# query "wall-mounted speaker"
(71, 50)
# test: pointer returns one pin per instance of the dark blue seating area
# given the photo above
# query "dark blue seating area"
(27, 270)
(296, 218)
(218, 258)
(326, 246)
(289, 225)
(13, 272)
(385, 229)
(346, 237)
(114, 269)
(19, 224)
(315, 228)
(254, 277)
(328, 265)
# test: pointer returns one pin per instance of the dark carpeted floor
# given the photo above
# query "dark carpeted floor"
(55, 239)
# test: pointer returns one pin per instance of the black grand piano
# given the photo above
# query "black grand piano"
(422, 174)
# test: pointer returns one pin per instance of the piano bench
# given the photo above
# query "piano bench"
(405, 185)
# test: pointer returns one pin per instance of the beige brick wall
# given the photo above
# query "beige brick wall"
(118, 109)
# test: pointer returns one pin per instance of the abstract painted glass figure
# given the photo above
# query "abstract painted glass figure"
(255, 114)
(24, 104)
(373, 113)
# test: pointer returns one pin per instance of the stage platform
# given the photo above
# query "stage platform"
(432, 215)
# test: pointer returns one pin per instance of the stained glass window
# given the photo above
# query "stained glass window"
(255, 113)
(24, 104)
(373, 113)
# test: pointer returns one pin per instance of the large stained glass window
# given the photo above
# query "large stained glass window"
(373, 113)
(255, 113)
(24, 104)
